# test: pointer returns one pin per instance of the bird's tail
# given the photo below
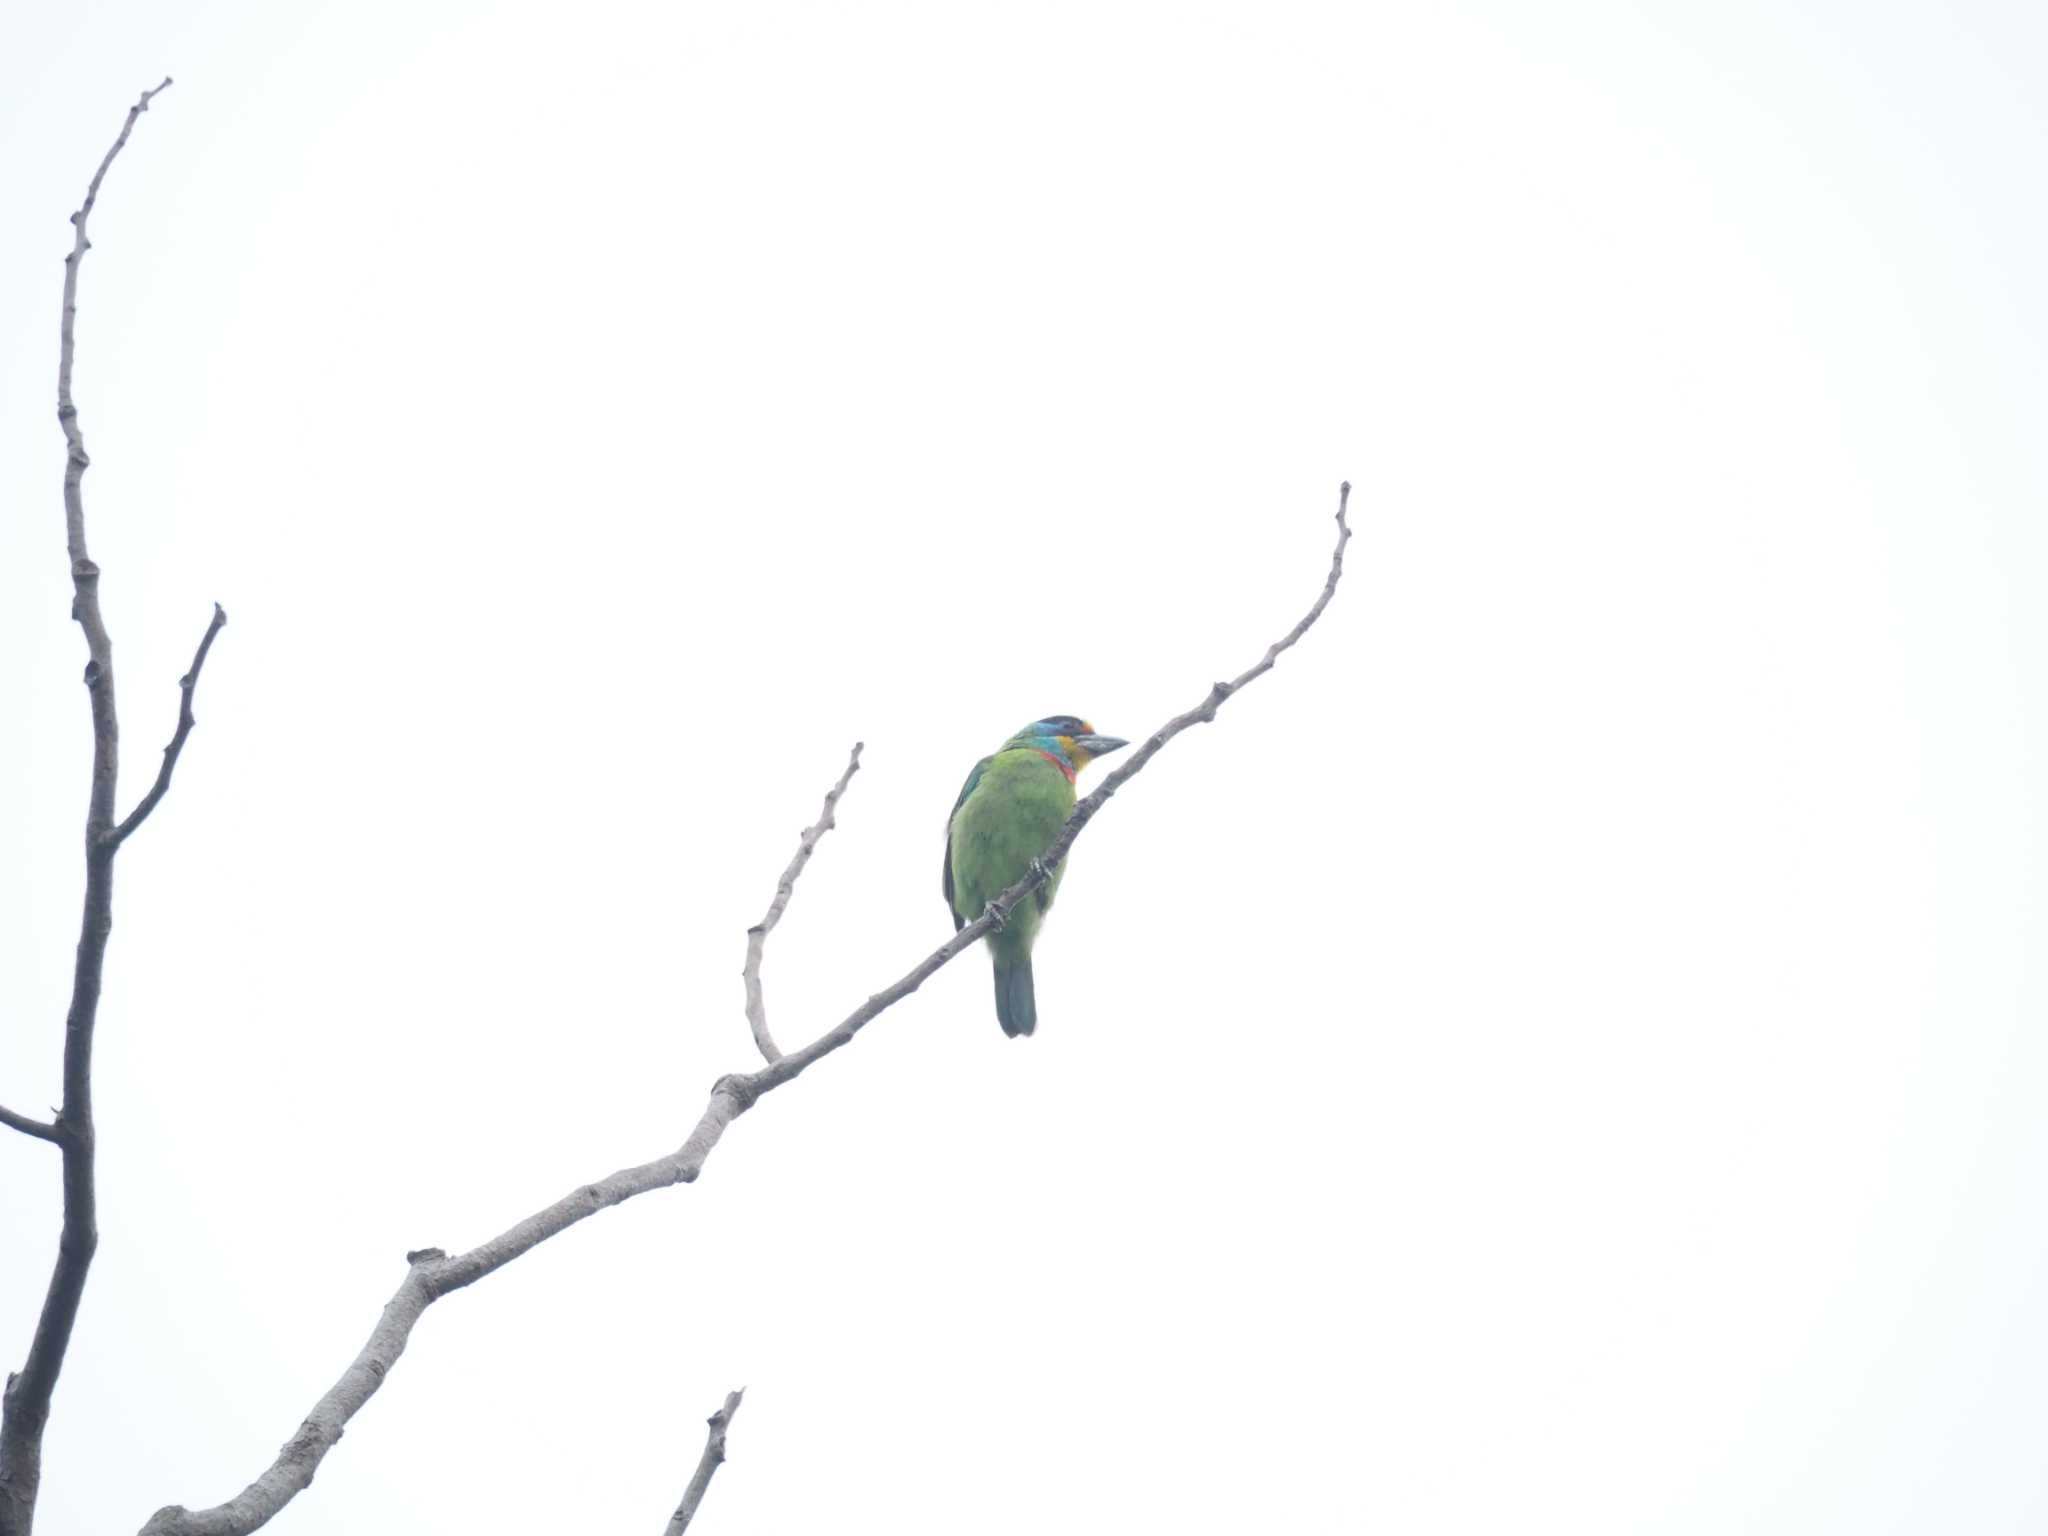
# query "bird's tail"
(1016, 1008)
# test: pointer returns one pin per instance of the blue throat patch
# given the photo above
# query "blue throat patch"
(1050, 746)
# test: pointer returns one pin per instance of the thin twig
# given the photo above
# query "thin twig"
(757, 936)
(42, 1129)
(186, 685)
(714, 1453)
(432, 1274)
(25, 1405)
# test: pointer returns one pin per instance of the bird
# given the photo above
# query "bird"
(1009, 811)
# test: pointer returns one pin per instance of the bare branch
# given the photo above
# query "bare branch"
(25, 1405)
(714, 1444)
(186, 685)
(779, 1072)
(41, 1129)
(432, 1274)
(1201, 714)
(757, 936)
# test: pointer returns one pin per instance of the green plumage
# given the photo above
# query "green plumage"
(1009, 811)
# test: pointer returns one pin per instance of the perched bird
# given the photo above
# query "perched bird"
(1009, 811)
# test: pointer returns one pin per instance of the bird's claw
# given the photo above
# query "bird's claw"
(998, 915)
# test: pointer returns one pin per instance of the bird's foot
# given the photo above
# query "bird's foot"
(996, 916)
(1038, 868)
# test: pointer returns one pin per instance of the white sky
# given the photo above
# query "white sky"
(1561, 1054)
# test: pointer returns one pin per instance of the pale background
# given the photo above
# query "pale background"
(1560, 1054)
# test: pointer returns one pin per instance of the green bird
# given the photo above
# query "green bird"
(1009, 811)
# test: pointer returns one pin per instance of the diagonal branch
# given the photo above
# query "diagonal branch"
(757, 936)
(25, 1404)
(714, 1447)
(186, 685)
(1201, 714)
(432, 1274)
(42, 1129)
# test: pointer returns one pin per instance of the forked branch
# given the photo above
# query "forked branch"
(25, 1405)
(431, 1274)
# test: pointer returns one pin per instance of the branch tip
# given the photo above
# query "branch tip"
(757, 936)
(708, 1463)
(187, 686)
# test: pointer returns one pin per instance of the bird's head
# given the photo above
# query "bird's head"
(1069, 738)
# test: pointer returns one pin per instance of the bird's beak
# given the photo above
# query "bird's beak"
(1100, 746)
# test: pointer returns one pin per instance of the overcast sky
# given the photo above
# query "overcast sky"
(1560, 1054)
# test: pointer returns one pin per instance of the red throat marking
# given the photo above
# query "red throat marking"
(1063, 768)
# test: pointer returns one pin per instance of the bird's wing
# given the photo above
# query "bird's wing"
(966, 789)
